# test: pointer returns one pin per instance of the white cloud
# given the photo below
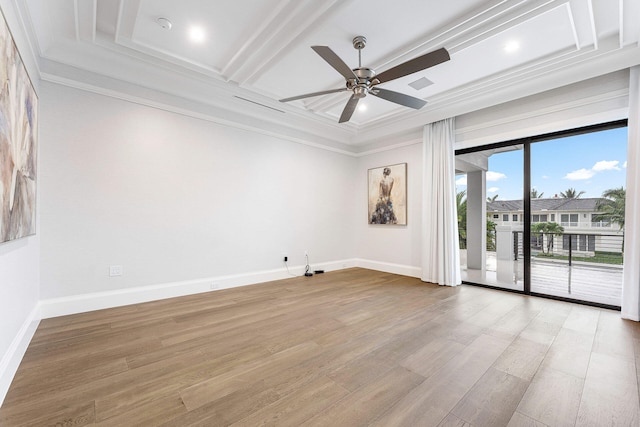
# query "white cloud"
(606, 165)
(462, 180)
(580, 174)
(602, 165)
(495, 176)
(545, 177)
(625, 164)
(493, 190)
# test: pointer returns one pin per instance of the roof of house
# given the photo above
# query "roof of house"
(553, 204)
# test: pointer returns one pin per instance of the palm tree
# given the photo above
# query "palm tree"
(548, 228)
(491, 235)
(571, 194)
(611, 206)
(461, 205)
(492, 198)
(535, 195)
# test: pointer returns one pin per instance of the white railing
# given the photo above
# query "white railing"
(569, 224)
(600, 224)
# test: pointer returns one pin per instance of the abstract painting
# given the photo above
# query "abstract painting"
(388, 195)
(18, 143)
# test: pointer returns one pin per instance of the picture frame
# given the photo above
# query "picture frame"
(387, 195)
(18, 142)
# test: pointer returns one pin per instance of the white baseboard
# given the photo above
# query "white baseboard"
(13, 356)
(404, 270)
(55, 307)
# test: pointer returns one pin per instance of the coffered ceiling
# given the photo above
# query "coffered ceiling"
(254, 52)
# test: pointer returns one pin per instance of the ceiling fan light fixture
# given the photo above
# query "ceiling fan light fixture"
(360, 91)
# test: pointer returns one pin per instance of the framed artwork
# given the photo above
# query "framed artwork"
(18, 143)
(388, 194)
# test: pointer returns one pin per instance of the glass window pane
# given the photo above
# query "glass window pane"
(493, 254)
(586, 262)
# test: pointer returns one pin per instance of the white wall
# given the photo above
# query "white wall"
(19, 272)
(174, 198)
(594, 101)
(392, 248)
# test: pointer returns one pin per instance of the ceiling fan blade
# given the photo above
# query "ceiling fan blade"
(334, 60)
(309, 95)
(349, 109)
(398, 98)
(414, 65)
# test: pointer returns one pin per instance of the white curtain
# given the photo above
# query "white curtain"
(631, 274)
(440, 248)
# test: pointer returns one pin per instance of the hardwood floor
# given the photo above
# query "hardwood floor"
(348, 348)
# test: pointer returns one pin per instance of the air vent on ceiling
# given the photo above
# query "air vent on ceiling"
(421, 83)
(257, 103)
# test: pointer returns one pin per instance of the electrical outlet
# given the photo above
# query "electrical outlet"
(215, 286)
(115, 270)
(286, 258)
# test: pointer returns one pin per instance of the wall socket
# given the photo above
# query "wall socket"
(115, 270)
(215, 286)
(286, 258)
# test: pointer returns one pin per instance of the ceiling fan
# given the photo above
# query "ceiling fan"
(364, 81)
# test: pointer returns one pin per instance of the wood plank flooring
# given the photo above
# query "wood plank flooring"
(349, 348)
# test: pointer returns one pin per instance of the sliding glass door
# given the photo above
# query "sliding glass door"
(489, 188)
(545, 215)
(577, 216)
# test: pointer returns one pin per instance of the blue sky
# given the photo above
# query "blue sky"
(592, 162)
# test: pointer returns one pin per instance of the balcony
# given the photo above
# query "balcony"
(601, 224)
(580, 266)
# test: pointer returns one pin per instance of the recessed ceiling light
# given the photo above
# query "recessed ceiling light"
(196, 34)
(362, 107)
(512, 46)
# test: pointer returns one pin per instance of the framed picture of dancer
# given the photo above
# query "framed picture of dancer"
(388, 194)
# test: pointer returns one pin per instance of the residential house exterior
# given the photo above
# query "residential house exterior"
(579, 217)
